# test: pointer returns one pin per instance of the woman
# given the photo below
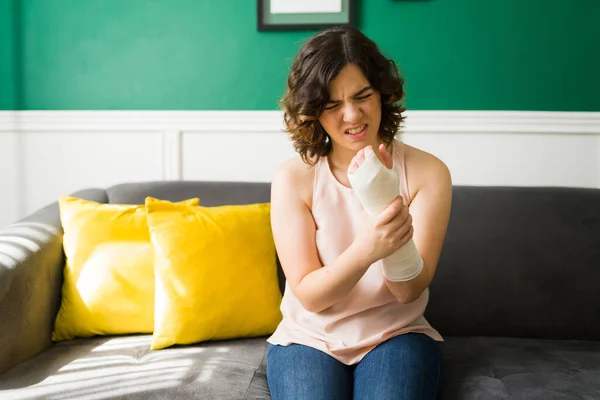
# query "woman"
(347, 330)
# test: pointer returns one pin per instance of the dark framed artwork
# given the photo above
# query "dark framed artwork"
(280, 15)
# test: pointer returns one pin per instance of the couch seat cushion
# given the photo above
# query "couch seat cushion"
(125, 368)
(110, 368)
(520, 369)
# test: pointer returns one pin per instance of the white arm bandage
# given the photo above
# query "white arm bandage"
(376, 187)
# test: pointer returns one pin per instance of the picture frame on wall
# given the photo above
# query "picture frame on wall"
(285, 15)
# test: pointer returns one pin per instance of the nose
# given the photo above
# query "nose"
(352, 113)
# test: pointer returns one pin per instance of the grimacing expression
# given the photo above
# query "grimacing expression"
(352, 116)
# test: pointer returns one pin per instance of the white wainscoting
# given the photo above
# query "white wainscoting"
(9, 170)
(44, 154)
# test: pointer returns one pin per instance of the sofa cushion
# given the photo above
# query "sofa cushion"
(125, 368)
(525, 369)
(216, 276)
(108, 284)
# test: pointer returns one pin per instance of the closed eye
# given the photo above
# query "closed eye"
(360, 98)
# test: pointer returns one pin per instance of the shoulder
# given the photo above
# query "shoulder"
(425, 171)
(296, 178)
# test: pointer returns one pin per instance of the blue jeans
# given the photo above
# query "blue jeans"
(406, 367)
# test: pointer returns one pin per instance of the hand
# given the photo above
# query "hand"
(382, 154)
(381, 235)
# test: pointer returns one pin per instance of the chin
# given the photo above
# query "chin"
(362, 143)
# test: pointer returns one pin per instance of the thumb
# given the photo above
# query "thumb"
(386, 157)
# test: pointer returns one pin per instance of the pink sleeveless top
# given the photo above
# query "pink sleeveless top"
(369, 314)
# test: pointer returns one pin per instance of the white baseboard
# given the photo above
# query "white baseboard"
(44, 154)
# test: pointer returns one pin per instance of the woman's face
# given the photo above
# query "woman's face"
(353, 114)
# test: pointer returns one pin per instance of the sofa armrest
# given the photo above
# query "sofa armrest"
(31, 274)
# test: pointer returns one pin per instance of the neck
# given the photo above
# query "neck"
(340, 158)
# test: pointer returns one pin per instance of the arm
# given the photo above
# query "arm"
(31, 262)
(430, 211)
(317, 287)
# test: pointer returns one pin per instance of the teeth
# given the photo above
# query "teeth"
(357, 130)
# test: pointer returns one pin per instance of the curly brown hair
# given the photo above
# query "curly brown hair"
(317, 63)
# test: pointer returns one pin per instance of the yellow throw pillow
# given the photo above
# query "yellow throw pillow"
(108, 284)
(216, 272)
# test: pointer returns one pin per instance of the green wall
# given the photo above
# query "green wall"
(8, 57)
(208, 55)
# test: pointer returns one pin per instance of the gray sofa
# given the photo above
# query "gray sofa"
(515, 296)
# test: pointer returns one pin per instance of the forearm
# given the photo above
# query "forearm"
(408, 291)
(327, 285)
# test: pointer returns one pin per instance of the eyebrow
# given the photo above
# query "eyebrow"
(363, 90)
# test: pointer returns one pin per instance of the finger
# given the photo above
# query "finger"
(400, 235)
(360, 156)
(386, 157)
(402, 218)
(353, 166)
(390, 212)
(406, 220)
(407, 236)
(357, 160)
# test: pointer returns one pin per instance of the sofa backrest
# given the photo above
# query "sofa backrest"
(210, 193)
(520, 262)
(517, 261)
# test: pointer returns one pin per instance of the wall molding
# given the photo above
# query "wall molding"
(546, 122)
(8, 121)
(172, 155)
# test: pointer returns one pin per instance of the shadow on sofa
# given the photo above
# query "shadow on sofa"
(515, 297)
(118, 367)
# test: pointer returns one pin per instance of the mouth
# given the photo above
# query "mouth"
(357, 132)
